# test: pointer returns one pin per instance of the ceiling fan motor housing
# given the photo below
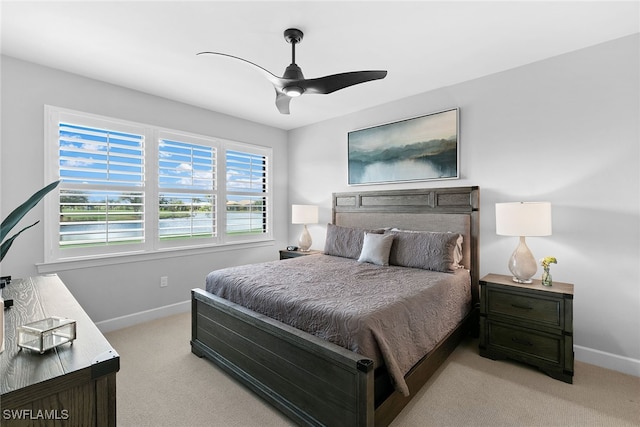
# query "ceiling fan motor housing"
(293, 72)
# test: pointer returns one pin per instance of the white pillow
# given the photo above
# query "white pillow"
(376, 248)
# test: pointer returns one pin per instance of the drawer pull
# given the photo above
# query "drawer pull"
(523, 307)
(523, 342)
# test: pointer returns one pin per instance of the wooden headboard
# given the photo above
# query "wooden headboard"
(454, 209)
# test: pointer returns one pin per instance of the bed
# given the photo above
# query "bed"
(316, 377)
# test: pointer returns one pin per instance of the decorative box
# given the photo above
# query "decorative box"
(46, 334)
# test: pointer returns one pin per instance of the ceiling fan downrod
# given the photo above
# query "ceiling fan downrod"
(293, 36)
(293, 72)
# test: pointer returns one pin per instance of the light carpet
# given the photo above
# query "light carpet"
(161, 383)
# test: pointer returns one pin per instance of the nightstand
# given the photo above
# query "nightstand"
(531, 323)
(284, 254)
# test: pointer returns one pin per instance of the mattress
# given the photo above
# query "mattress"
(392, 315)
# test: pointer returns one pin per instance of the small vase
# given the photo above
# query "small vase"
(546, 278)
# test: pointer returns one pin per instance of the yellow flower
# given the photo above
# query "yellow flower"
(544, 262)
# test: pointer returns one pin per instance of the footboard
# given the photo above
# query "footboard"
(313, 381)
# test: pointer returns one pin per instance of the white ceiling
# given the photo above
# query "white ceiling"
(151, 46)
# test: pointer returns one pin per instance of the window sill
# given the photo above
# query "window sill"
(125, 258)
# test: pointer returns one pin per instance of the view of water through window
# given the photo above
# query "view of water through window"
(103, 197)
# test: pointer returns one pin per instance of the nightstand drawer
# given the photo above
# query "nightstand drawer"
(527, 343)
(527, 307)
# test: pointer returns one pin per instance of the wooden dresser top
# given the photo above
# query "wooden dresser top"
(36, 298)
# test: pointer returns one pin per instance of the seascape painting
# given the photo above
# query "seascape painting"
(417, 149)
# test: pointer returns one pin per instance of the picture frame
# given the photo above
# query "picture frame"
(422, 148)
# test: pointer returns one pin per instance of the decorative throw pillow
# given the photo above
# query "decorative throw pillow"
(429, 250)
(457, 253)
(376, 248)
(345, 242)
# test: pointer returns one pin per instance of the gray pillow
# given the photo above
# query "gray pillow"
(345, 241)
(376, 248)
(427, 250)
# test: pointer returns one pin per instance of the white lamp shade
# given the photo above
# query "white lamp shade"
(304, 214)
(523, 219)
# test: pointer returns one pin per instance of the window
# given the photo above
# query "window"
(246, 193)
(102, 198)
(186, 179)
(128, 187)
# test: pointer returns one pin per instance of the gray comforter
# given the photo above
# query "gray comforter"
(393, 315)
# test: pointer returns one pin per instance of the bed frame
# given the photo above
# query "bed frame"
(313, 381)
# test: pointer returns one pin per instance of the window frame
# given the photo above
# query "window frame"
(152, 246)
(223, 191)
(192, 139)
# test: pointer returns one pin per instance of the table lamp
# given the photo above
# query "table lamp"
(304, 214)
(523, 219)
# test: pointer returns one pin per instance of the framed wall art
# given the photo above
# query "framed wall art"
(416, 149)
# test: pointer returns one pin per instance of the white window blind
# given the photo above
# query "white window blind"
(102, 173)
(186, 178)
(247, 201)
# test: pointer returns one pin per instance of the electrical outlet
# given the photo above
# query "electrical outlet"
(164, 281)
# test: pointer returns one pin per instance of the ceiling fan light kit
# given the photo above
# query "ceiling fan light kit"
(293, 84)
(293, 91)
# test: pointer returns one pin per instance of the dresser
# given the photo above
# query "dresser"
(73, 384)
(531, 323)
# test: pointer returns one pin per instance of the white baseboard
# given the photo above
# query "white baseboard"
(143, 316)
(626, 365)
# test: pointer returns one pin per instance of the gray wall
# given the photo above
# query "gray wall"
(563, 130)
(109, 292)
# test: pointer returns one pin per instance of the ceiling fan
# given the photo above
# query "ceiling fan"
(293, 84)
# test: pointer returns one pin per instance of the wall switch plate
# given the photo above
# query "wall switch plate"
(164, 281)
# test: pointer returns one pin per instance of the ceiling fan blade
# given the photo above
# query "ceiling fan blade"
(334, 82)
(282, 102)
(275, 80)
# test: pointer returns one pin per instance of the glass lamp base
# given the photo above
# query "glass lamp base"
(304, 242)
(522, 264)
